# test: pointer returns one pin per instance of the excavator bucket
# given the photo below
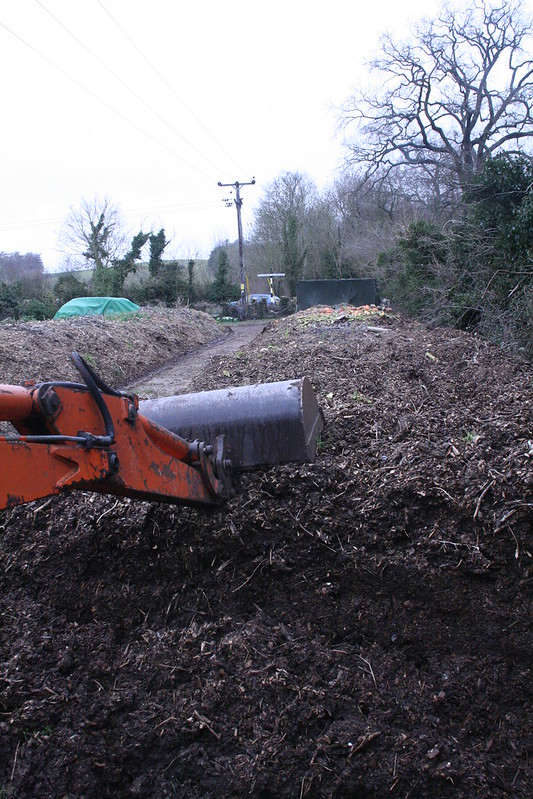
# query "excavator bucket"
(180, 449)
(263, 425)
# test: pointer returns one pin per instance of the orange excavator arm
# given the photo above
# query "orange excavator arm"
(181, 449)
(90, 437)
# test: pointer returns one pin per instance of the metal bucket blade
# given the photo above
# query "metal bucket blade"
(263, 425)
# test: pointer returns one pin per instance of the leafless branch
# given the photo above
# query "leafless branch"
(460, 91)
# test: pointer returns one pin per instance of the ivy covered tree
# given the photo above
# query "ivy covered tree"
(94, 235)
(498, 239)
(98, 243)
(190, 283)
(114, 278)
(158, 244)
(500, 200)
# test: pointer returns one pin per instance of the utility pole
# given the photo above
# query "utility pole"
(238, 205)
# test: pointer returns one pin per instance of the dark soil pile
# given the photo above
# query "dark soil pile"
(358, 627)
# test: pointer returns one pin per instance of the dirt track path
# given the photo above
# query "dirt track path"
(175, 378)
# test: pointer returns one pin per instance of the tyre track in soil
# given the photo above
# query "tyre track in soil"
(176, 377)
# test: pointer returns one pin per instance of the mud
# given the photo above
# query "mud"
(357, 627)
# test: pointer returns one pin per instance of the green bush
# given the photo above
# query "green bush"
(39, 308)
(10, 299)
(67, 287)
(221, 289)
(168, 286)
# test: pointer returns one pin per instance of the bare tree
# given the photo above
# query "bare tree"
(281, 223)
(369, 213)
(95, 232)
(456, 94)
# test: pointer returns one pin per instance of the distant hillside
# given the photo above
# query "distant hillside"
(141, 273)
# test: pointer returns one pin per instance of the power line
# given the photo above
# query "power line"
(106, 104)
(126, 85)
(170, 87)
(179, 209)
(21, 224)
(33, 223)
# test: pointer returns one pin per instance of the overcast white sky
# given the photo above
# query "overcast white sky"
(195, 92)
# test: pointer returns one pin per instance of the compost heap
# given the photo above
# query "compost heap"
(358, 627)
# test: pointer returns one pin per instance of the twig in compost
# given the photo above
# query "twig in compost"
(364, 741)
(308, 532)
(480, 499)
(42, 507)
(261, 563)
(504, 520)
(15, 761)
(99, 519)
(205, 721)
(440, 488)
(370, 669)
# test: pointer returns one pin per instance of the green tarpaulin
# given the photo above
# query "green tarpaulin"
(96, 306)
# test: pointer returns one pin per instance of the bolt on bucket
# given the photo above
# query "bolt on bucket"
(263, 425)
